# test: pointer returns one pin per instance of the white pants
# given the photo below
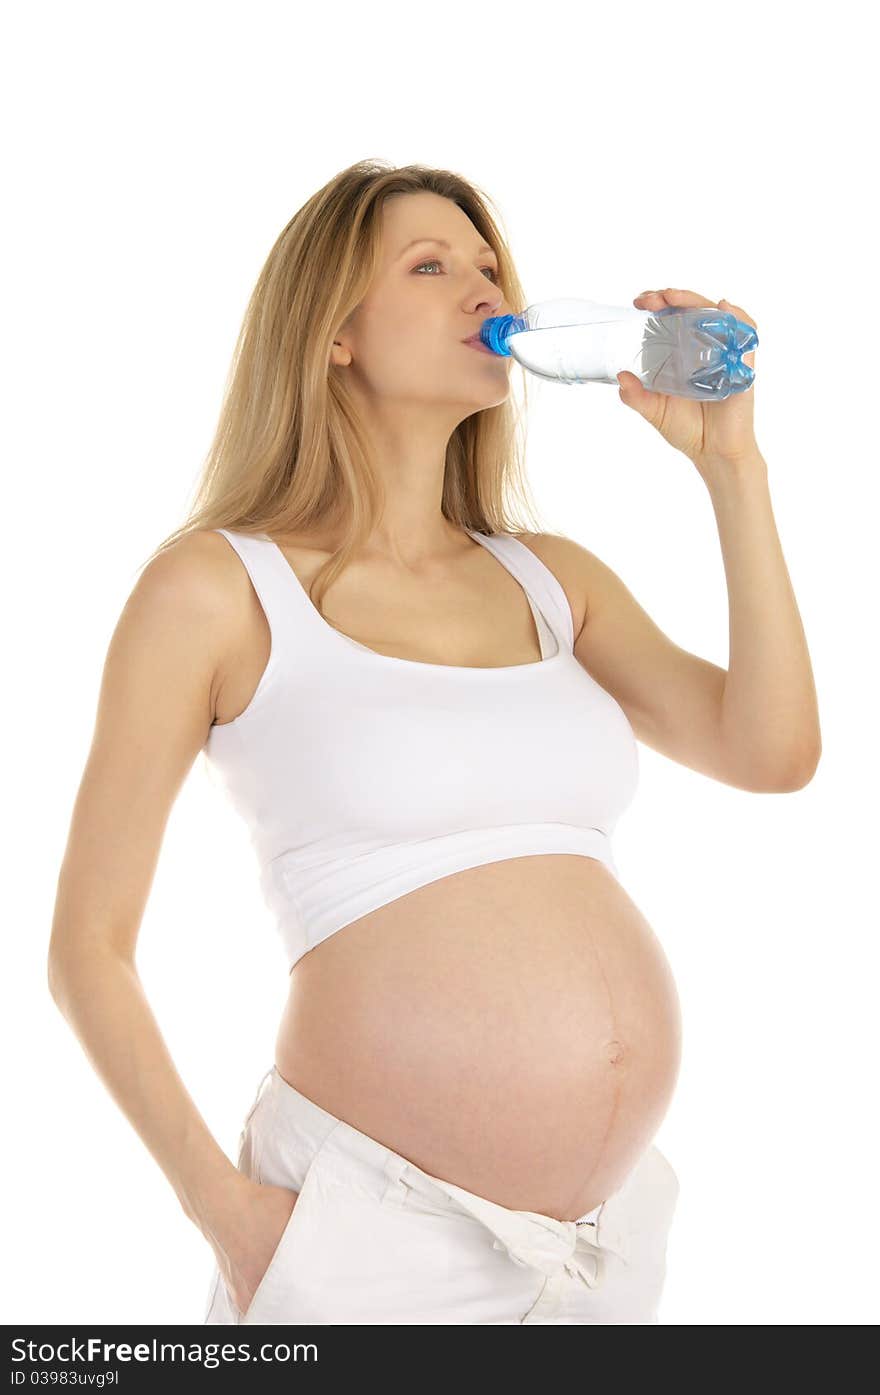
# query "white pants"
(373, 1239)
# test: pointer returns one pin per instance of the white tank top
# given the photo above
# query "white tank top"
(361, 776)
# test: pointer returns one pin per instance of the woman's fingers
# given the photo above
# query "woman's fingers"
(654, 300)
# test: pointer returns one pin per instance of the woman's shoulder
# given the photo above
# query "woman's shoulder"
(198, 580)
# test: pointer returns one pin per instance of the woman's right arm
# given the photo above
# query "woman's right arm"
(165, 663)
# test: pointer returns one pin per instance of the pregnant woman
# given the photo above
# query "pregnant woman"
(427, 718)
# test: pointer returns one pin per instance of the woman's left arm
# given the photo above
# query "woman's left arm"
(769, 708)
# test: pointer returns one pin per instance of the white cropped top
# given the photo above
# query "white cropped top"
(361, 776)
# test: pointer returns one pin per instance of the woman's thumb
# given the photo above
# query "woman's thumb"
(631, 389)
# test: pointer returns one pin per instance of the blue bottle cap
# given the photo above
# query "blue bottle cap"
(494, 332)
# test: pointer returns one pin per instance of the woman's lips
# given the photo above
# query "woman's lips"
(479, 345)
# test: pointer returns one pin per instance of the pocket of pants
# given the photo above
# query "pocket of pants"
(274, 1270)
(247, 1162)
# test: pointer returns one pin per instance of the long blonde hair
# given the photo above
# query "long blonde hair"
(290, 450)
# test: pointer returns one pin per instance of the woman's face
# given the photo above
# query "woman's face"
(403, 346)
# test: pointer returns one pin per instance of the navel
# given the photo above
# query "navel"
(614, 1051)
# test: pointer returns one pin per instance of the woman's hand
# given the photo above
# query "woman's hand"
(713, 435)
(245, 1239)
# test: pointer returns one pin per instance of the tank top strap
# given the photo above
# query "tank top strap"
(537, 580)
(271, 582)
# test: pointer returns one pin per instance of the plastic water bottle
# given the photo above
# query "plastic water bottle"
(682, 352)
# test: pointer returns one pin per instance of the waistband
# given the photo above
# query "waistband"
(530, 1237)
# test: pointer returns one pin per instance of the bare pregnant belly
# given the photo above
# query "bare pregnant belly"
(513, 1028)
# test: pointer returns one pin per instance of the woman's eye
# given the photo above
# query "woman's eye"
(435, 262)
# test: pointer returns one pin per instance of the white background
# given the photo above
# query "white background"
(154, 152)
